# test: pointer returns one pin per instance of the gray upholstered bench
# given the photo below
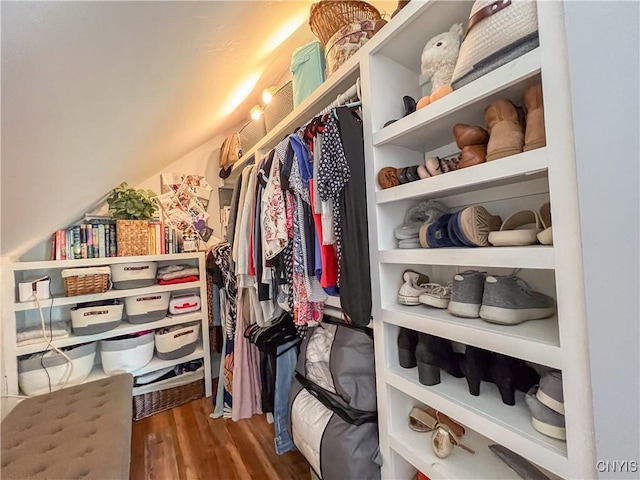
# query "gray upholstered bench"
(79, 432)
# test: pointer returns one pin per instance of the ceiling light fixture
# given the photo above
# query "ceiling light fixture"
(256, 112)
(267, 94)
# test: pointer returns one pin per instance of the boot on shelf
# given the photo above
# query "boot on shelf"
(534, 135)
(472, 142)
(506, 135)
(407, 341)
(435, 353)
(475, 367)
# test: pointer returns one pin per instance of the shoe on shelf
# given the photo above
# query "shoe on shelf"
(407, 342)
(550, 391)
(509, 300)
(409, 108)
(534, 135)
(544, 419)
(545, 237)
(472, 155)
(468, 135)
(436, 295)
(435, 353)
(475, 367)
(512, 233)
(506, 134)
(473, 225)
(466, 294)
(411, 289)
(388, 177)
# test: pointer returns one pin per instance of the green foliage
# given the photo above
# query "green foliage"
(127, 203)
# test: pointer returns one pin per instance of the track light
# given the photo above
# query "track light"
(256, 112)
(267, 94)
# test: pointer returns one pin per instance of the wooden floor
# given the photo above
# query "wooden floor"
(184, 443)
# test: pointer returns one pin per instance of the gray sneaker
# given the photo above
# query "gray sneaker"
(550, 391)
(543, 419)
(466, 294)
(509, 300)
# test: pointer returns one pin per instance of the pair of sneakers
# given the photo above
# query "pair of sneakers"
(417, 290)
(469, 227)
(546, 404)
(502, 299)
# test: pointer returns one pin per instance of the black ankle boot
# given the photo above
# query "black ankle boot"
(475, 367)
(407, 341)
(433, 354)
(409, 105)
(511, 374)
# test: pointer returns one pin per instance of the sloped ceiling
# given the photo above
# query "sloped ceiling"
(95, 93)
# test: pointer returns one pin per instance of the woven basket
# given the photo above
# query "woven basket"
(329, 16)
(147, 404)
(252, 133)
(87, 284)
(279, 107)
(132, 237)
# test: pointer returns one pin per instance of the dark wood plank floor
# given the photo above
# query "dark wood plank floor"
(185, 444)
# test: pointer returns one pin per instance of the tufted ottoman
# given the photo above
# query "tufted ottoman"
(79, 432)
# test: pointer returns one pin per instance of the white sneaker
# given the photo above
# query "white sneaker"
(411, 290)
(436, 295)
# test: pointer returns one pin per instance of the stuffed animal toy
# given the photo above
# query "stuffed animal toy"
(439, 58)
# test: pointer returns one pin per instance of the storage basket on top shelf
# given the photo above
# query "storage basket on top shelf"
(329, 16)
(252, 133)
(132, 237)
(279, 107)
(85, 281)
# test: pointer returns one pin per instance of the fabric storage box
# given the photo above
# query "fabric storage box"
(147, 308)
(127, 353)
(177, 341)
(184, 303)
(35, 380)
(348, 40)
(252, 133)
(307, 70)
(133, 275)
(279, 107)
(96, 317)
(85, 281)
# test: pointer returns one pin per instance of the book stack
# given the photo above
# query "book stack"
(95, 237)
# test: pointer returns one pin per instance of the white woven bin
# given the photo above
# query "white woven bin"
(178, 342)
(92, 318)
(37, 374)
(133, 275)
(120, 355)
(147, 308)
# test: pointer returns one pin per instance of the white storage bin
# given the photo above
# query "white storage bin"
(96, 317)
(184, 303)
(177, 341)
(147, 308)
(35, 380)
(126, 354)
(133, 275)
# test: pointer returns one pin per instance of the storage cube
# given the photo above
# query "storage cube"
(127, 353)
(44, 372)
(184, 303)
(177, 341)
(133, 275)
(147, 308)
(307, 70)
(96, 317)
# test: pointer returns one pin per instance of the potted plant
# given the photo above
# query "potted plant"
(132, 210)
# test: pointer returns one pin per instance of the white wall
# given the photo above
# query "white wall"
(603, 47)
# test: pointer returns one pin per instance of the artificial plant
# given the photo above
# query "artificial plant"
(127, 203)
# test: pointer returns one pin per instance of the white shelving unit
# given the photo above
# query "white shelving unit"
(15, 312)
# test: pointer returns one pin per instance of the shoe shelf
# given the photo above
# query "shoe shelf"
(424, 129)
(516, 169)
(534, 257)
(504, 424)
(123, 329)
(534, 341)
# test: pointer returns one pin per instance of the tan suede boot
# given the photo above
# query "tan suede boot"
(467, 135)
(505, 132)
(534, 136)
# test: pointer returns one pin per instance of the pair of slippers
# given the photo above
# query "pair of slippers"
(525, 227)
(470, 227)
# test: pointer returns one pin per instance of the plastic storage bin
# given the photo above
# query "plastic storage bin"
(307, 70)
(177, 341)
(96, 317)
(147, 308)
(35, 380)
(184, 303)
(126, 354)
(133, 275)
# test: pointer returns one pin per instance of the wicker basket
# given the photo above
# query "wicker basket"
(147, 404)
(329, 16)
(252, 133)
(279, 107)
(86, 284)
(132, 237)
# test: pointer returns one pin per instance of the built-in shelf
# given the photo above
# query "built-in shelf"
(173, 382)
(123, 329)
(95, 262)
(535, 257)
(486, 414)
(534, 341)
(109, 294)
(429, 127)
(506, 171)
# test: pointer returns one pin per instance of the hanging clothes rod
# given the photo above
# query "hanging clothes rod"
(352, 93)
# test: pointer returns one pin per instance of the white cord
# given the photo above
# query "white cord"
(56, 349)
